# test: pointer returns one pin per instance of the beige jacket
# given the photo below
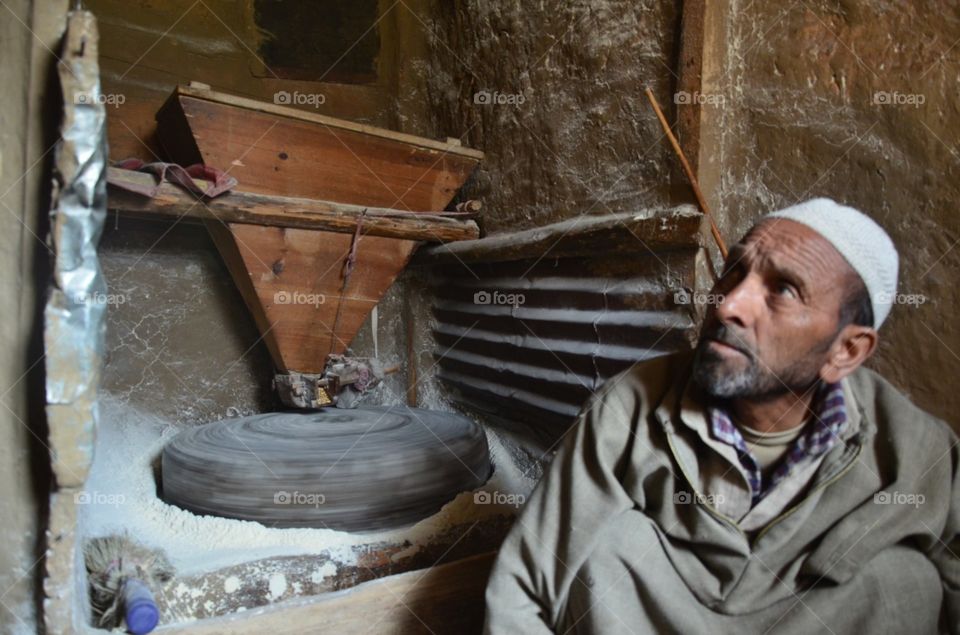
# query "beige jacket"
(625, 533)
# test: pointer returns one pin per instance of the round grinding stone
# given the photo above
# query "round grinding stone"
(354, 470)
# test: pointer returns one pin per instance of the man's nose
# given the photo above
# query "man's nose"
(742, 302)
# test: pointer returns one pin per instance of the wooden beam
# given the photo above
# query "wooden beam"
(690, 79)
(444, 599)
(702, 124)
(249, 208)
(626, 234)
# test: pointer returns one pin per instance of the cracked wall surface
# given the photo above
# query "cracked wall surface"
(180, 342)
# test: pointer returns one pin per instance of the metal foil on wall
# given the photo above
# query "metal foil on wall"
(74, 317)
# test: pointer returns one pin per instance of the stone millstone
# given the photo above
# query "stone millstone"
(353, 470)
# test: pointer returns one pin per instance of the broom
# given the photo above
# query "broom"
(122, 577)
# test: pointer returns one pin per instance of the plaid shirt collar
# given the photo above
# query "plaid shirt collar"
(830, 416)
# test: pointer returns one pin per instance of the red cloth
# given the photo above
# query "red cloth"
(218, 180)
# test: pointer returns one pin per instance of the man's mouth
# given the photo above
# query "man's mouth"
(724, 348)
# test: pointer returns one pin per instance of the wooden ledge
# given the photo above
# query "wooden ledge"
(635, 232)
(173, 202)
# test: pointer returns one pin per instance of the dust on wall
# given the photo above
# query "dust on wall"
(857, 101)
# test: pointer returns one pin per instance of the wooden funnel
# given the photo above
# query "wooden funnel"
(292, 279)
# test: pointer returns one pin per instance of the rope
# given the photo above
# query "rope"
(348, 265)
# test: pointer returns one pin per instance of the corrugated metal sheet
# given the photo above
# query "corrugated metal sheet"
(530, 340)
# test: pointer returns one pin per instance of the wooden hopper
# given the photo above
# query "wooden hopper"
(292, 278)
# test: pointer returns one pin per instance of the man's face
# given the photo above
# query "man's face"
(782, 289)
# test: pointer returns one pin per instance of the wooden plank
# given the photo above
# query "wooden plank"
(691, 77)
(455, 148)
(230, 252)
(713, 126)
(174, 202)
(297, 287)
(444, 599)
(679, 227)
(271, 154)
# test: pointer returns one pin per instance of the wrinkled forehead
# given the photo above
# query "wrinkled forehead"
(790, 247)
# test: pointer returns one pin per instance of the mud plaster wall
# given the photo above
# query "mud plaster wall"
(821, 98)
(22, 486)
(553, 93)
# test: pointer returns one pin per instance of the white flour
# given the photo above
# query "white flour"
(122, 498)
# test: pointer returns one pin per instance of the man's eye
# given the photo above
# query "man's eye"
(786, 290)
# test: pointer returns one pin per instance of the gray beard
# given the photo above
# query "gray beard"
(755, 381)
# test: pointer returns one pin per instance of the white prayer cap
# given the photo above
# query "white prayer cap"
(860, 240)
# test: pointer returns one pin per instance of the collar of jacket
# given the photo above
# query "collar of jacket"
(683, 403)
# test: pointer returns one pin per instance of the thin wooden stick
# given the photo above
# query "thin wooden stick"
(689, 171)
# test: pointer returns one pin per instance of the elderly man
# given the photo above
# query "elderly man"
(766, 482)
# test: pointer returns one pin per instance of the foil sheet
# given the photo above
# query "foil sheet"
(75, 313)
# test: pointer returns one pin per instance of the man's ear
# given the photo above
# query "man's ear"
(853, 345)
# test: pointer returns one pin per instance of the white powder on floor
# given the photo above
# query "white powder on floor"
(328, 569)
(123, 498)
(277, 586)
